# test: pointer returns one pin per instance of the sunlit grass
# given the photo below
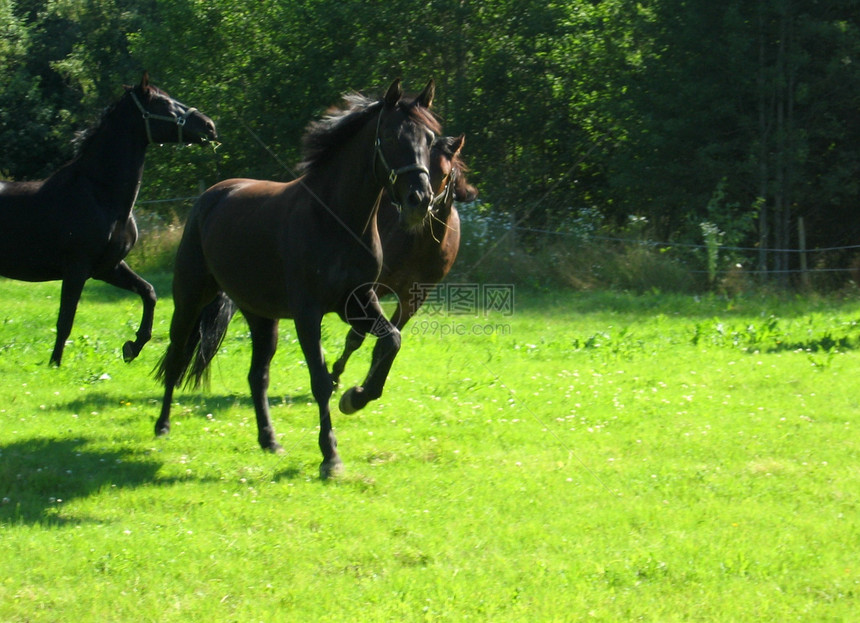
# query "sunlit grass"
(599, 456)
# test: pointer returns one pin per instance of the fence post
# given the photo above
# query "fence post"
(801, 239)
(512, 234)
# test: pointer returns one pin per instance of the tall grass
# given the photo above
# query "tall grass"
(587, 259)
(584, 253)
(159, 236)
(592, 456)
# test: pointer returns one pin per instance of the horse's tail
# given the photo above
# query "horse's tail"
(210, 331)
(189, 364)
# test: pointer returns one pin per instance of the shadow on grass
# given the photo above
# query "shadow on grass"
(200, 401)
(39, 475)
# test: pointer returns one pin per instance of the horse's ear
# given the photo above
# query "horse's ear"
(425, 99)
(144, 81)
(394, 93)
(458, 143)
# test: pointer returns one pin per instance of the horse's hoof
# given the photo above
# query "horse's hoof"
(162, 431)
(331, 468)
(345, 405)
(129, 353)
(274, 447)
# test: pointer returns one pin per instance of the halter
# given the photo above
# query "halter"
(447, 192)
(392, 174)
(179, 121)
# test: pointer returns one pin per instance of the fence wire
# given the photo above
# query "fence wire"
(650, 243)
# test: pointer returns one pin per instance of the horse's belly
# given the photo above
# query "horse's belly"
(261, 297)
(29, 273)
(27, 260)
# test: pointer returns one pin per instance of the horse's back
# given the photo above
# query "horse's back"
(240, 209)
(241, 229)
(18, 189)
(18, 201)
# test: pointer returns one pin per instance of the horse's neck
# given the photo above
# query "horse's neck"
(348, 187)
(113, 159)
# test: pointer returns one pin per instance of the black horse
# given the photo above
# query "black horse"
(413, 260)
(78, 223)
(300, 250)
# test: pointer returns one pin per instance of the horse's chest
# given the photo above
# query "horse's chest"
(119, 242)
(334, 279)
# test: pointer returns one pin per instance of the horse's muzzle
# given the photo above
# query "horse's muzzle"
(199, 129)
(415, 208)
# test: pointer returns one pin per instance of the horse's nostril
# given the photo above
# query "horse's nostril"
(414, 199)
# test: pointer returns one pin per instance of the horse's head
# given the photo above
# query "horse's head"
(405, 132)
(167, 120)
(447, 172)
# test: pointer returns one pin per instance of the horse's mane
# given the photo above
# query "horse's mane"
(464, 190)
(83, 138)
(341, 123)
(445, 144)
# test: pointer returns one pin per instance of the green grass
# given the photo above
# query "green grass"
(589, 457)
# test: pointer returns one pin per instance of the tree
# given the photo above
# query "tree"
(675, 111)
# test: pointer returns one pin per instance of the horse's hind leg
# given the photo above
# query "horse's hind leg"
(372, 320)
(70, 295)
(124, 277)
(264, 342)
(309, 334)
(193, 289)
(176, 360)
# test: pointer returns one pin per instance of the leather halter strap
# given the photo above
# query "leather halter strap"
(447, 192)
(179, 121)
(391, 174)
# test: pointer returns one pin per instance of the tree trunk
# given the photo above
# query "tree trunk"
(763, 138)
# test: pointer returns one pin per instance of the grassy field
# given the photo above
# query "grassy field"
(573, 457)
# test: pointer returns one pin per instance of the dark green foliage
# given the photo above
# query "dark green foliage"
(628, 108)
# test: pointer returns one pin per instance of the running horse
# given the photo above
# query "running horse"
(299, 250)
(415, 260)
(78, 224)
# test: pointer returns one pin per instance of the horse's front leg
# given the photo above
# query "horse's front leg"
(73, 285)
(402, 314)
(124, 277)
(353, 342)
(264, 341)
(364, 318)
(308, 331)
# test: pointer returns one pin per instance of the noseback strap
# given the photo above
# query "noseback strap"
(447, 193)
(392, 174)
(179, 121)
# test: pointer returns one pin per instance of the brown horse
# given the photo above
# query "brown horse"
(414, 259)
(78, 223)
(300, 250)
